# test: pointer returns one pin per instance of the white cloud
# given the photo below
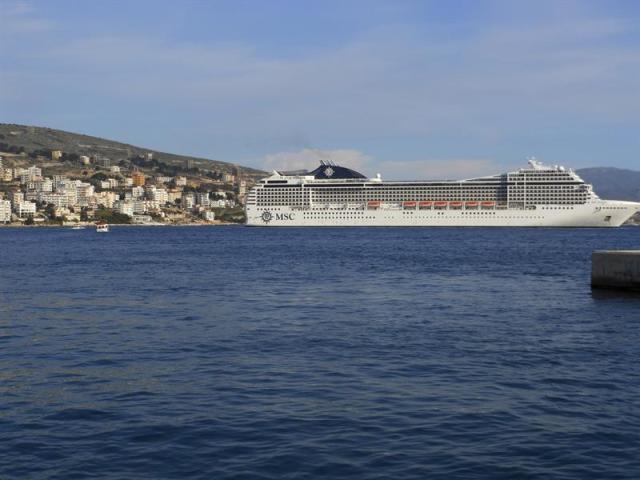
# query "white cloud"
(308, 159)
(20, 18)
(429, 169)
(391, 82)
(439, 169)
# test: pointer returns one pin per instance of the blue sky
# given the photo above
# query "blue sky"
(425, 89)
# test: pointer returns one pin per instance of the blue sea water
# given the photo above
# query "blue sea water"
(232, 352)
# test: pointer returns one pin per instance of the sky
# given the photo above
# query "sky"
(409, 89)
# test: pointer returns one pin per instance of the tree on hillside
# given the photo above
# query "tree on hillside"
(50, 211)
(41, 152)
(99, 177)
(70, 157)
(110, 216)
(5, 147)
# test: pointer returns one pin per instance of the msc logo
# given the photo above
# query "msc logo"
(267, 216)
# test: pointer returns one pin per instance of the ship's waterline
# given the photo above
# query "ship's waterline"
(537, 196)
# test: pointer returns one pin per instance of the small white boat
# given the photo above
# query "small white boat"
(102, 227)
(77, 227)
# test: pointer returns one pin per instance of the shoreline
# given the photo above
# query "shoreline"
(90, 225)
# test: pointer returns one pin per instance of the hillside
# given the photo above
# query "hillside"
(613, 183)
(34, 139)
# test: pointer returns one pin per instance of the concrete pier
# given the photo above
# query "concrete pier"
(616, 269)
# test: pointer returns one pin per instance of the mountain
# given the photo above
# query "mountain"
(34, 139)
(613, 183)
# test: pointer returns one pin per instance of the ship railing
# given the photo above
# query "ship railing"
(337, 206)
(339, 180)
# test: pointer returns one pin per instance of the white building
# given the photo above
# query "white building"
(31, 195)
(25, 209)
(59, 181)
(208, 215)
(43, 185)
(58, 199)
(140, 207)
(115, 169)
(85, 193)
(174, 195)
(142, 218)
(219, 203)
(109, 184)
(124, 207)
(16, 198)
(5, 211)
(137, 192)
(181, 181)
(153, 206)
(188, 201)
(160, 195)
(113, 183)
(71, 194)
(107, 199)
(203, 199)
(30, 174)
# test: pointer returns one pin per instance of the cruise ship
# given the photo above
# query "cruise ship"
(332, 195)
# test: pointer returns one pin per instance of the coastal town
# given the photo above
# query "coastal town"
(56, 188)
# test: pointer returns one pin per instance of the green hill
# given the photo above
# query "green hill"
(38, 139)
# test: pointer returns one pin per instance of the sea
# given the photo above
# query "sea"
(366, 353)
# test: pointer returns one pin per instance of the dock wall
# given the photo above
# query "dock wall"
(616, 269)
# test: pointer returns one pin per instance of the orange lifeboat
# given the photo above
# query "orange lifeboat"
(455, 204)
(373, 203)
(440, 204)
(425, 204)
(409, 204)
(488, 204)
(471, 204)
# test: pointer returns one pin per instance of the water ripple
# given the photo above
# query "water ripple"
(336, 353)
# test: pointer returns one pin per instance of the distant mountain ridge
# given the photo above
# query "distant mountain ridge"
(42, 138)
(613, 183)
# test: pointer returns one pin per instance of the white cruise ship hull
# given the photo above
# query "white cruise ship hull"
(600, 213)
